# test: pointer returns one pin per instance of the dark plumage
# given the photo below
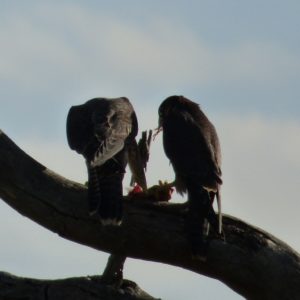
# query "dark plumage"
(102, 130)
(191, 143)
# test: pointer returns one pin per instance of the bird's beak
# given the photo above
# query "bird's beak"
(159, 128)
(157, 131)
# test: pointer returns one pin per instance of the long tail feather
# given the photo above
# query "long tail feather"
(105, 195)
(219, 212)
(94, 193)
(110, 208)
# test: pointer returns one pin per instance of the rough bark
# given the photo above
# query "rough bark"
(252, 262)
(87, 288)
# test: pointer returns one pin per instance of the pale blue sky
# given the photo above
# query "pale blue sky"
(240, 60)
(235, 57)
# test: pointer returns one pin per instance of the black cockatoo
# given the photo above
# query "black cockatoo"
(103, 130)
(191, 143)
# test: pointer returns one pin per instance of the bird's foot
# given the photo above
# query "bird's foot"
(221, 236)
(161, 192)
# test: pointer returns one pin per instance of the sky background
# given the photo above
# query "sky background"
(238, 59)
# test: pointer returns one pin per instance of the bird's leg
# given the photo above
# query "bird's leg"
(113, 273)
(211, 216)
(206, 228)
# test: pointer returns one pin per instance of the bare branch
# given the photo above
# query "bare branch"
(87, 288)
(252, 262)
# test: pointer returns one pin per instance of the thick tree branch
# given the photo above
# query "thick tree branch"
(252, 262)
(87, 288)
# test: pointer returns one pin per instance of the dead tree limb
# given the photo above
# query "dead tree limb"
(252, 262)
(87, 288)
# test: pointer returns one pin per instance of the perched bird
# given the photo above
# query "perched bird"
(102, 130)
(191, 143)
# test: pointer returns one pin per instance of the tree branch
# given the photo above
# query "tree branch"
(87, 288)
(252, 262)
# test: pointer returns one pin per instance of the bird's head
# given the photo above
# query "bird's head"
(166, 108)
(172, 106)
(175, 105)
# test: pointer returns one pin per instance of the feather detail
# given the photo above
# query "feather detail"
(191, 143)
(107, 149)
(101, 130)
(219, 203)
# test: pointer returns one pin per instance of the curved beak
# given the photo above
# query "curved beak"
(157, 130)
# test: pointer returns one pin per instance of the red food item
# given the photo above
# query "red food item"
(136, 190)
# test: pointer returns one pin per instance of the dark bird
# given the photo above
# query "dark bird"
(103, 130)
(192, 145)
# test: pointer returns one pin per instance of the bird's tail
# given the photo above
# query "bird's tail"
(198, 210)
(105, 196)
(220, 221)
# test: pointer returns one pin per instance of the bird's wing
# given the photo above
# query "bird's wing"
(206, 136)
(111, 131)
(188, 143)
(212, 165)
